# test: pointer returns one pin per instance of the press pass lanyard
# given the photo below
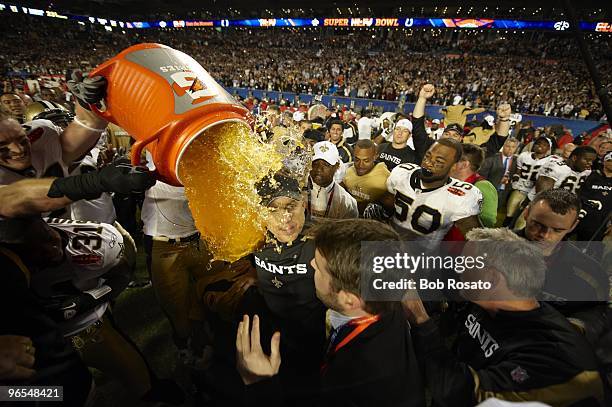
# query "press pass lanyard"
(329, 200)
(358, 325)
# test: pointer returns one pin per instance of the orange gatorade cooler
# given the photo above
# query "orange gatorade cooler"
(164, 99)
(198, 136)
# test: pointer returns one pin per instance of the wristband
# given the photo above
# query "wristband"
(80, 123)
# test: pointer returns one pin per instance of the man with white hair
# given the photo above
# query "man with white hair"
(401, 149)
(326, 198)
(508, 344)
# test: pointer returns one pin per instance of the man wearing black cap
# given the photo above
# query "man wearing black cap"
(285, 281)
(277, 283)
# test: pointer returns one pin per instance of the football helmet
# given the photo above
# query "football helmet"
(43, 109)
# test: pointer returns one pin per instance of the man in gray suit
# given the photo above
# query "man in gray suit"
(499, 168)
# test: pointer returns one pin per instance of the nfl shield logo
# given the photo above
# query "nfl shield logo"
(519, 374)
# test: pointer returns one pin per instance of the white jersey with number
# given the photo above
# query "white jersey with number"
(46, 152)
(429, 213)
(526, 172)
(92, 250)
(555, 167)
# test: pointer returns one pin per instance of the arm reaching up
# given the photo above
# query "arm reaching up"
(426, 93)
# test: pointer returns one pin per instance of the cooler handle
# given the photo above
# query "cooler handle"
(137, 147)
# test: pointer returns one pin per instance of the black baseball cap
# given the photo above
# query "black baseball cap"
(456, 127)
(315, 135)
(279, 185)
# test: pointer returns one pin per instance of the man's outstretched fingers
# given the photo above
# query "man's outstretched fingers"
(275, 358)
(255, 341)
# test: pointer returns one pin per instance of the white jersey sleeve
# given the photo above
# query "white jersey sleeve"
(398, 175)
(468, 202)
(46, 146)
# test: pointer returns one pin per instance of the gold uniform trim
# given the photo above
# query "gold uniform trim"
(582, 386)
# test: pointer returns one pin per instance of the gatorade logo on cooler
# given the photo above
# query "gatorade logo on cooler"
(187, 83)
(192, 86)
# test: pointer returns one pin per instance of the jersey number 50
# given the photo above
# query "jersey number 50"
(402, 207)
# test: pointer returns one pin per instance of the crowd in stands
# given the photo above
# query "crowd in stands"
(298, 318)
(535, 73)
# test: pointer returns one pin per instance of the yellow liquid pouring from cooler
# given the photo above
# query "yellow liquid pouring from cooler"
(219, 170)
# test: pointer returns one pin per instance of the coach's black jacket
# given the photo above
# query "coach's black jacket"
(516, 356)
(377, 368)
(286, 301)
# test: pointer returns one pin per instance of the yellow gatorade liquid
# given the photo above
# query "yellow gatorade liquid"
(219, 170)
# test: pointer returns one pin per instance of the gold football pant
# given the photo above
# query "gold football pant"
(103, 347)
(175, 269)
(515, 200)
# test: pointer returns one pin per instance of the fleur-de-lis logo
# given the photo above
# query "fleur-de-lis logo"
(324, 149)
(277, 283)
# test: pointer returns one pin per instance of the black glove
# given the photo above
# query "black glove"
(120, 177)
(87, 91)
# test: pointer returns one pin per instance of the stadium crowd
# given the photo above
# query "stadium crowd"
(379, 64)
(291, 323)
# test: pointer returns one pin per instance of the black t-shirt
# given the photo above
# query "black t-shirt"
(421, 140)
(392, 157)
(596, 196)
(57, 364)
(285, 280)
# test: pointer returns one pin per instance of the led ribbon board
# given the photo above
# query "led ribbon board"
(457, 23)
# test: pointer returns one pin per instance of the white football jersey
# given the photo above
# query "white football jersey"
(100, 209)
(46, 150)
(554, 167)
(526, 172)
(430, 213)
(91, 251)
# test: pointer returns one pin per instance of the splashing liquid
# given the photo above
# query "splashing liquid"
(219, 170)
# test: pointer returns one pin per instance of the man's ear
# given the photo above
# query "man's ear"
(349, 301)
(456, 166)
